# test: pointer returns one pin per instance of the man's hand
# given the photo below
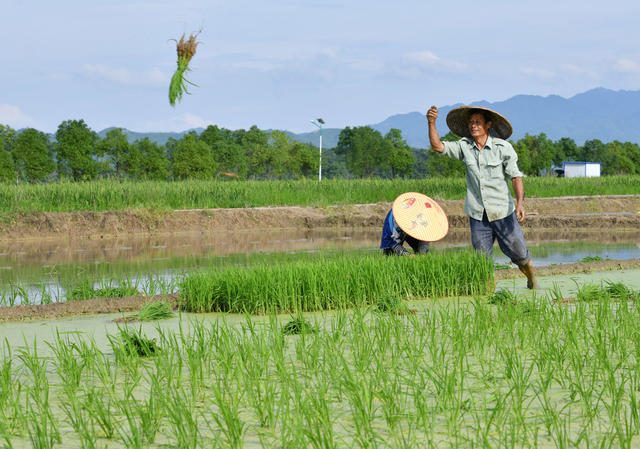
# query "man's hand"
(520, 214)
(432, 114)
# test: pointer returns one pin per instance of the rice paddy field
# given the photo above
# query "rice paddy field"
(319, 342)
(116, 195)
(489, 370)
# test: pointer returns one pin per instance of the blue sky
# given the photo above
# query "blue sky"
(279, 64)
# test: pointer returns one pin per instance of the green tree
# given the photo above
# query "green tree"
(592, 151)
(401, 158)
(566, 150)
(303, 160)
(7, 165)
(76, 152)
(32, 155)
(116, 146)
(191, 158)
(440, 165)
(227, 151)
(365, 150)
(146, 160)
(620, 158)
(541, 153)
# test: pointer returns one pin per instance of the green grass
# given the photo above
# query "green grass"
(157, 197)
(156, 310)
(339, 282)
(86, 290)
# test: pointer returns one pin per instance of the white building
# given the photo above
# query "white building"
(580, 169)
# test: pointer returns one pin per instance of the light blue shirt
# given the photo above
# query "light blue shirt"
(488, 173)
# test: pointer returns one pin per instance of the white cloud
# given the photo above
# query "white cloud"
(627, 66)
(154, 76)
(14, 117)
(540, 74)
(430, 61)
(176, 123)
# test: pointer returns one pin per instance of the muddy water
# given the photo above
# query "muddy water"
(48, 268)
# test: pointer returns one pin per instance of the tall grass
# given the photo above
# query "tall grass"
(160, 195)
(336, 283)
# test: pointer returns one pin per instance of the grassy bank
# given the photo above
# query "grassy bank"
(121, 195)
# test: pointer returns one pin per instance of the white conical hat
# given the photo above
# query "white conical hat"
(420, 217)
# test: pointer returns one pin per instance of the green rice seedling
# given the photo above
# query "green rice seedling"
(156, 310)
(186, 49)
(81, 422)
(337, 283)
(501, 266)
(99, 407)
(297, 326)
(85, 290)
(502, 297)
(555, 293)
(128, 343)
(591, 259)
(619, 291)
(591, 293)
(180, 410)
(11, 414)
(227, 417)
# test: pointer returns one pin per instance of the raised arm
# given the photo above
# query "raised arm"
(434, 138)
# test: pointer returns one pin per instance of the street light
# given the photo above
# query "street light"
(319, 122)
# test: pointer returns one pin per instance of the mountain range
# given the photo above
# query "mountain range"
(599, 113)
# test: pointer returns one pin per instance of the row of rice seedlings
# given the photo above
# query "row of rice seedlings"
(158, 196)
(48, 293)
(336, 283)
(462, 374)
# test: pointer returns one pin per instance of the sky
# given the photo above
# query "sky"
(281, 63)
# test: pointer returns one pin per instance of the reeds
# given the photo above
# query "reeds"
(341, 282)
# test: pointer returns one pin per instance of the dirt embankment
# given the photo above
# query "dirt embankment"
(599, 212)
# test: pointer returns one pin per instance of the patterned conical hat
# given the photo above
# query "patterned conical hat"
(420, 217)
(458, 121)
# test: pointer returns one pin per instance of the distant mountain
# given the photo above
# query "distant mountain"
(158, 137)
(596, 114)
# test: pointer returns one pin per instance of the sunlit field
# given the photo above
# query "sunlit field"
(120, 195)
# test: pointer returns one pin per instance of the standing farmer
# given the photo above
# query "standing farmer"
(490, 162)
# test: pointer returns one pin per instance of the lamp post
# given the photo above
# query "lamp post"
(319, 122)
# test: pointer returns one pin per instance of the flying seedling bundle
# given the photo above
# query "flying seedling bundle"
(186, 49)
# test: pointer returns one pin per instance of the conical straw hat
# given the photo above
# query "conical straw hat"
(458, 121)
(420, 217)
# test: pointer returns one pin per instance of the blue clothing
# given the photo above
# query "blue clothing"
(393, 237)
(508, 233)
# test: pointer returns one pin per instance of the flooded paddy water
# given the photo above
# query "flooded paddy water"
(44, 270)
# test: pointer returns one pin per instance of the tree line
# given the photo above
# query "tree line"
(77, 153)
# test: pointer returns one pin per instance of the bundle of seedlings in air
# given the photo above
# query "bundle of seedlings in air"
(186, 49)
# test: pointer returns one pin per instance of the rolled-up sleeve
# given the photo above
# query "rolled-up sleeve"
(453, 150)
(510, 162)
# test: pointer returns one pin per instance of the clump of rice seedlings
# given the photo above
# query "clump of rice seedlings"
(555, 293)
(591, 259)
(620, 292)
(590, 293)
(85, 290)
(186, 49)
(129, 343)
(616, 291)
(156, 310)
(501, 266)
(298, 326)
(341, 282)
(503, 297)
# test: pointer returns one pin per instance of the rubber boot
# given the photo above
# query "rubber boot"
(527, 270)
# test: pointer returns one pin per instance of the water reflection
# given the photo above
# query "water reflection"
(51, 267)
